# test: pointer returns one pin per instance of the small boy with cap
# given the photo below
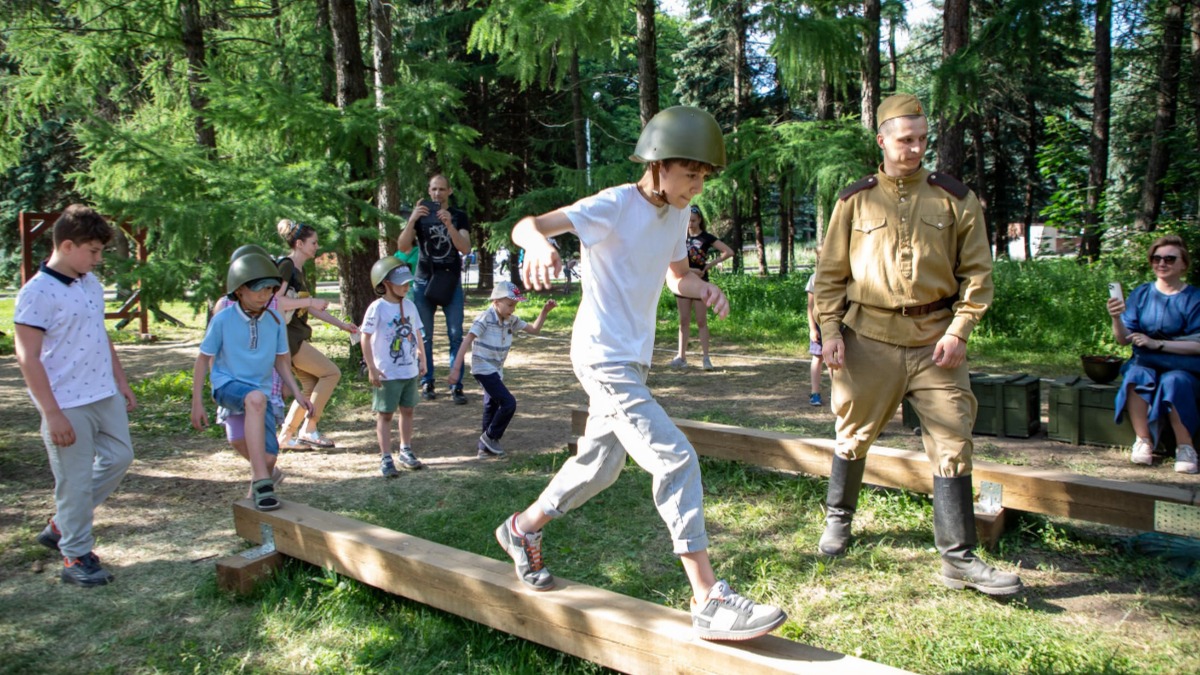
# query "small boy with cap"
(489, 340)
(241, 347)
(395, 358)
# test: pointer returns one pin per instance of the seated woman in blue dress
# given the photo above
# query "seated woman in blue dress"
(1162, 380)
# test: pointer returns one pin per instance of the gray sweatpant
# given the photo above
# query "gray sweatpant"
(623, 417)
(87, 471)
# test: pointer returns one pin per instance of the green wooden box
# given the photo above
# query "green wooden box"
(1009, 405)
(1081, 412)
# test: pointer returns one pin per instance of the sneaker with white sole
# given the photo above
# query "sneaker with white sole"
(1142, 452)
(490, 445)
(526, 553)
(85, 571)
(408, 460)
(678, 362)
(707, 364)
(725, 615)
(387, 467)
(1186, 460)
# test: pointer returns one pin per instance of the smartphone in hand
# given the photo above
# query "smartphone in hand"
(433, 208)
(1115, 292)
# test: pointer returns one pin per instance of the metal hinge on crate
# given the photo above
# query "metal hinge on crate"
(266, 548)
(1174, 518)
(990, 497)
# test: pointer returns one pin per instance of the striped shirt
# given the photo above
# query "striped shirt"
(493, 339)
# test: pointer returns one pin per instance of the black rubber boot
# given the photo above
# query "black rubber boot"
(845, 482)
(954, 533)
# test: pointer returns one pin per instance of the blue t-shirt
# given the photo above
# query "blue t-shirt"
(244, 348)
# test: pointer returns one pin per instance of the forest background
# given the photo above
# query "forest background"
(205, 121)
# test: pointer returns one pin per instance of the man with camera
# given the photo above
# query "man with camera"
(442, 233)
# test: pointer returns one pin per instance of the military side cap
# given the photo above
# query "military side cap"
(898, 105)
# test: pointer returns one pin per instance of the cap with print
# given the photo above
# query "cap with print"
(399, 276)
(507, 290)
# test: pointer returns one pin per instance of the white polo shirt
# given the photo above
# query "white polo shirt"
(75, 348)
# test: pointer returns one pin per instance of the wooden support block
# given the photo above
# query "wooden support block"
(610, 629)
(239, 574)
(989, 527)
(1053, 493)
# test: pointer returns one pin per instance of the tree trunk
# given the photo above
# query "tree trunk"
(955, 31)
(577, 122)
(1032, 178)
(647, 46)
(1195, 82)
(893, 66)
(998, 212)
(981, 169)
(825, 96)
(193, 48)
(785, 227)
(1167, 103)
(388, 193)
(760, 241)
(1098, 145)
(327, 67)
(870, 72)
(355, 259)
(738, 14)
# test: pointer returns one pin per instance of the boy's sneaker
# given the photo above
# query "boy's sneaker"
(725, 615)
(1186, 460)
(85, 571)
(526, 553)
(457, 393)
(707, 364)
(490, 446)
(427, 391)
(678, 362)
(1142, 452)
(387, 467)
(408, 460)
(50, 536)
(814, 400)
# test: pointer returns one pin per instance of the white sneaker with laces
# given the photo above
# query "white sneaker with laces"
(1186, 460)
(725, 615)
(1142, 452)
(678, 362)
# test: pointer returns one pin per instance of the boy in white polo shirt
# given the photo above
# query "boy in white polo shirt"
(78, 385)
(489, 341)
(632, 237)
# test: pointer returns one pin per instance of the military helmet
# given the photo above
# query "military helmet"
(382, 267)
(251, 267)
(247, 248)
(681, 132)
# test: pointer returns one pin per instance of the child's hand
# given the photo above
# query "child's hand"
(62, 433)
(303, 402)
(350, 328)
(421, 367)
(375, 377)
(199, 416)
(550, 304)
(454, 375)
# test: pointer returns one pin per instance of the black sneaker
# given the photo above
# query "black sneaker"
(526, 553)
(457, 392)
(85, 571)
(427, 391)
(387, 467)
(725, 615)
(50, 536)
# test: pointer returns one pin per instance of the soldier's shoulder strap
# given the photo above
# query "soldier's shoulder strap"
(857, 187)
(949, 184)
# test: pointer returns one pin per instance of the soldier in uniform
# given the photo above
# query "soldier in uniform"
(905, 275)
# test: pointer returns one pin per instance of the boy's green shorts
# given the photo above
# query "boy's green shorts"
(395, 393)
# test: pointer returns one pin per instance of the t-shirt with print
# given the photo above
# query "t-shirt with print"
(627, 244)
(698, 248)
(244, 347)
(493, 339)
(76, 351)
(437, 249)
(393, 329)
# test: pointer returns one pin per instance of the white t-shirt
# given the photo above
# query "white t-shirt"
(627, 245)
(75, 347)
(493, 339)
(393, 334)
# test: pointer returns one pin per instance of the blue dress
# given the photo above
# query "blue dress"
(1165, 381)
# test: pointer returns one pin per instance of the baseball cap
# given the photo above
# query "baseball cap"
(400, 275)
(259, 284)
(509, 290)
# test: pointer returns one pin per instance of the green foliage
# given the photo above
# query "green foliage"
(1063, 164)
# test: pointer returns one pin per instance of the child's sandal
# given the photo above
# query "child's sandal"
(264, 495)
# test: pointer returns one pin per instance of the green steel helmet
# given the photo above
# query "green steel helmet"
(248, 248)
(380, 269)
(249, 268)
(681, 132)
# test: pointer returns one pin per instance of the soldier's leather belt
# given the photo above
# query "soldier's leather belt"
(922, 310)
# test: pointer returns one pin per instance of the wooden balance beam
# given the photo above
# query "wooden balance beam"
(1054, 493)
(610, 629)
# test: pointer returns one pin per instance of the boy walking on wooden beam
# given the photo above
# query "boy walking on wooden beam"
(632, 236)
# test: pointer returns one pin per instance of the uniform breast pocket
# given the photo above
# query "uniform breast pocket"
(868, 225)
(937, 232)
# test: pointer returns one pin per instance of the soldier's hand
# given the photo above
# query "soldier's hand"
(950, 352)
(833, 350)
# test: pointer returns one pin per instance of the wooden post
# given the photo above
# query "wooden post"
(610, 629)
(239, 574)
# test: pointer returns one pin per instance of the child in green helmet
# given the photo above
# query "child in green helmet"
(241, 347)
(632, 237)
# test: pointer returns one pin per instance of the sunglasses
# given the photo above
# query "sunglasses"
(1168, 259)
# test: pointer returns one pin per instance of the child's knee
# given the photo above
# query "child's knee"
(255, 401)
(385, 416)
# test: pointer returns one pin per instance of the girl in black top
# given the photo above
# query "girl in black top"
(699, 245)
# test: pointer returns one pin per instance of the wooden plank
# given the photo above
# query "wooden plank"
(613, 630)
(239, 574)
(1055, 493)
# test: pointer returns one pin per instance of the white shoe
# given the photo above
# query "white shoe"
(1185, 460)
(1142, 452)
(678, 363)
(707, 364)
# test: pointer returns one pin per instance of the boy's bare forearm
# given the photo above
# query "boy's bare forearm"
(199, 373)
(29, 358)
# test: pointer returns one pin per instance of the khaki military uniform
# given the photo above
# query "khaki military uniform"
(904, 262)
